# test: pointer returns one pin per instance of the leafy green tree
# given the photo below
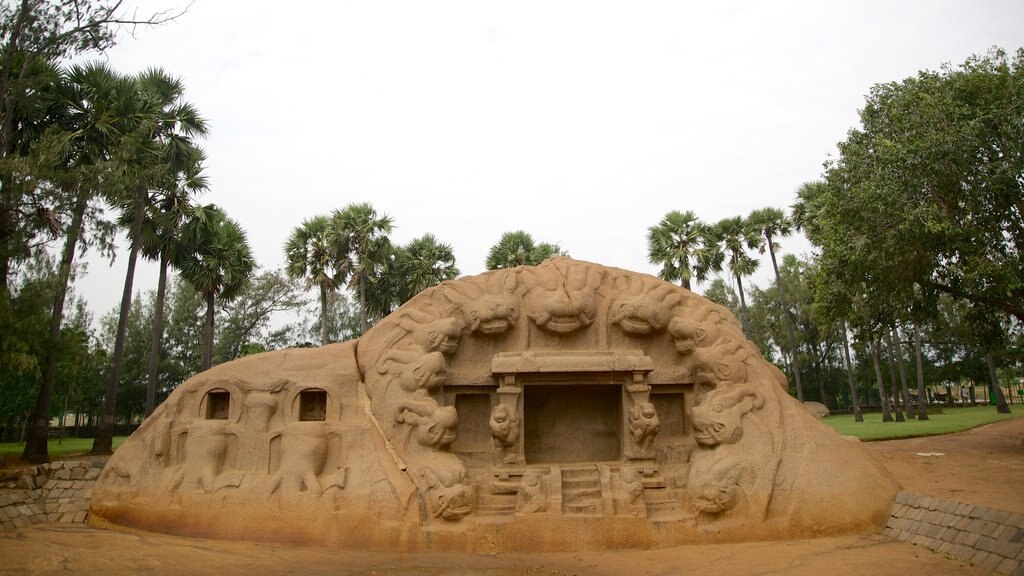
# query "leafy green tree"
(681, 244)
(218, 263)
(924, 197)
(164, 159)
(360, 237)
(310, 256)
(518, 248)
(95, 125)
(246, 319)
(773, 223)
(35, 38)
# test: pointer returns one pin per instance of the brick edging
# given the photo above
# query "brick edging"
(987, 537)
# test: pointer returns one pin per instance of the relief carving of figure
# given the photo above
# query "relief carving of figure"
(722, 476)
(302, 459)
(433, 426)
(206, 448)
(504, 426)
(568, 301)
(432, 334)
(699, 331)
(643, 426)
(532, 495)
(489, 311)
(414, 369)
(631, 492)
(449, 493)
(718, 419)
(639, 312)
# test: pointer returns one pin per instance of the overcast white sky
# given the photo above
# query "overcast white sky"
(582, 123)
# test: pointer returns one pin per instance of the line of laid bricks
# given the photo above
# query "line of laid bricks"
(987, 537)
(55, 492)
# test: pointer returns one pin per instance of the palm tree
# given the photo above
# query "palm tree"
(518, 248)
(735, 235)
(680, 243)
(309, 255)
(360, 239)
(161, 229)
(425, 262)
(165, 155)
(217, 263)
(95, 120)
(772, 222)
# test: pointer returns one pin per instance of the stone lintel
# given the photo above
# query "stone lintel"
(571, 361)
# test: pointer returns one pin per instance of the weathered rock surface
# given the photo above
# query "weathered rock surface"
(567, 406)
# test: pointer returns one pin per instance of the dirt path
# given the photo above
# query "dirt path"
(982, 466)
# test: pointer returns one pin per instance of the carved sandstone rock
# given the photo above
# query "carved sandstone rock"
(567, 406)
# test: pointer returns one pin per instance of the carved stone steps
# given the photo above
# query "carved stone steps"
(581, 492)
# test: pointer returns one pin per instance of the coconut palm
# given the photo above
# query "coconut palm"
(518, 248)
(217, 262)
(164, 156)
(681, 246)
(773, 223)
(360, 239)
(310, 256)
(735, 235)
(161, 229)
(97, 115)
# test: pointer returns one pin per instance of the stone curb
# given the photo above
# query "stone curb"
(57, 492)
(990, 538)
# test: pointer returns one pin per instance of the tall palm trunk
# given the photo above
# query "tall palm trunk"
(157, 338)
(362, 303)
(884, 398)
(208, 332)
(104, 442)
(744, 317)
(323, 315)
(894, 384)
(38, 433)
(794, 354)
(858, 416)
(997, 391)
(922, 393)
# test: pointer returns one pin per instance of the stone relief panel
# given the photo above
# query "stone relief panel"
(354, 442)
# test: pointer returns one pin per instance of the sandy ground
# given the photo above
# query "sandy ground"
(982, 466)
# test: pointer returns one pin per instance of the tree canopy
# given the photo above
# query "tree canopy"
(927, 195)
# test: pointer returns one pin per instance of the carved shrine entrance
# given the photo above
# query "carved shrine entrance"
(573, 407)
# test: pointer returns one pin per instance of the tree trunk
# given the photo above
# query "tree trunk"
(794, 352)
(208, 333)
(898, 348)
(893, 379)
(858, 416)
(323, 315)
(997, 391)
(922, 392)
(35, 444)
(104, 442)
(362, 303)
(820, 378)
(157, 338)
(884, 399)
(745, 318)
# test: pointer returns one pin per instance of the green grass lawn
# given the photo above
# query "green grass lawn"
(954, 419)
(70, 447)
